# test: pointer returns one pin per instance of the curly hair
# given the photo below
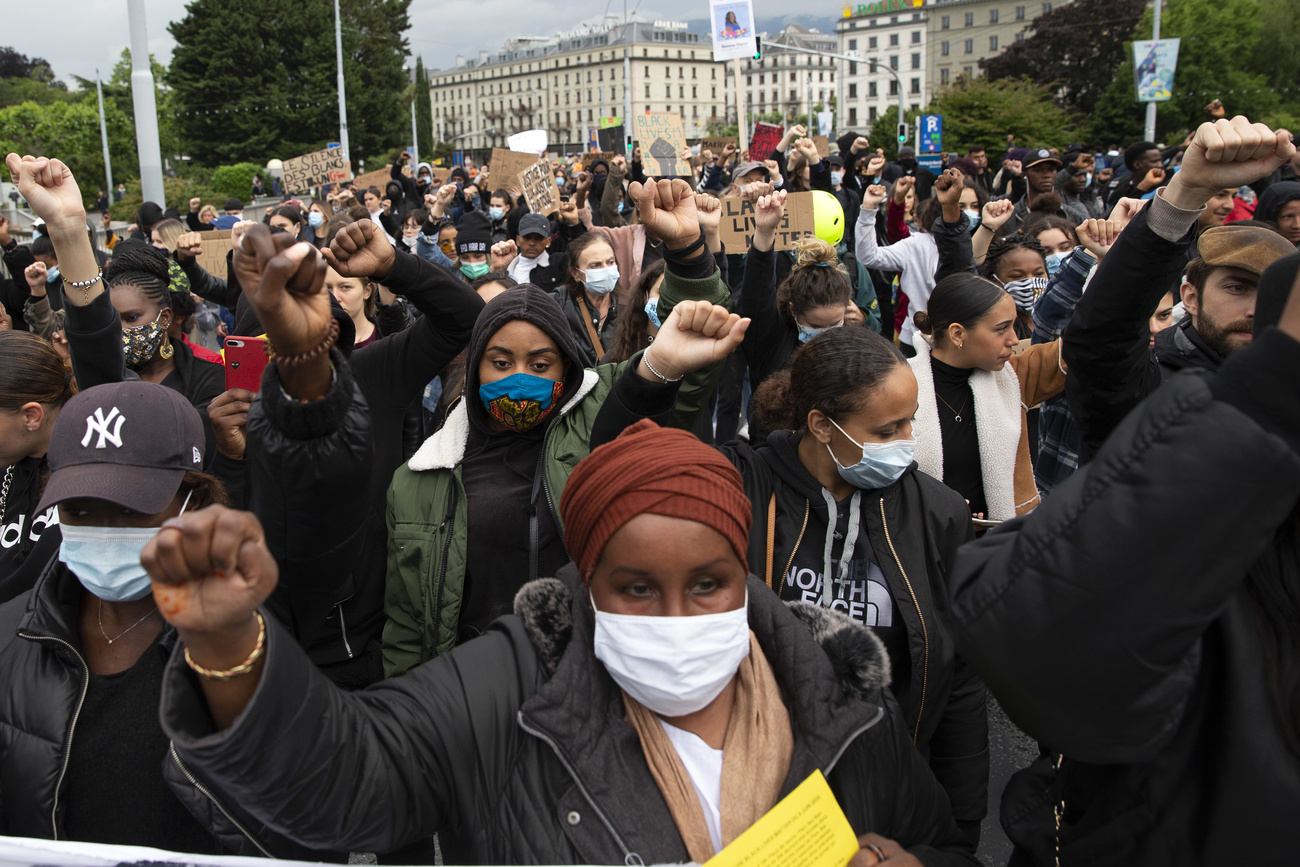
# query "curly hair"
(817, 280)
(1000, 247)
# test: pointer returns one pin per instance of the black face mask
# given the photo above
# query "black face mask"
(907, 164)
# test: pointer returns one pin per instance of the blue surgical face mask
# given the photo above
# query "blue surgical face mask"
(807, 332)
(106, 560)
(620, 207)
(1054, 261)
(973, 217)
(496, 212)
(881, 464)
(652, 310)
(1089, 184)
(52, 275)
(315, 219)
(601, 281)
(837, 177)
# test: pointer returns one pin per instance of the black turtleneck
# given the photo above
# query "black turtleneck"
(961, 446)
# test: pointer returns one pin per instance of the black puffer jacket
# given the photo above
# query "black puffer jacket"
(1117, 625)
(514, 749)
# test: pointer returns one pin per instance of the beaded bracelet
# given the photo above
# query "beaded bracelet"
(244, 667)
(331, 335)
(84, 285)
(645, 356)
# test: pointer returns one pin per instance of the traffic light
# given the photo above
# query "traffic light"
(758, 48)
(902, 132)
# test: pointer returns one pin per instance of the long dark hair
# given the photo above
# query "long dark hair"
(959, 298)
(835, 372)
(632, 333)
(30, 370)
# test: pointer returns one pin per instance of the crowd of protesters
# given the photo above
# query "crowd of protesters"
(583, 537)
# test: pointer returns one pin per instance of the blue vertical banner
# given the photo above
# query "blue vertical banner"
(930, 138)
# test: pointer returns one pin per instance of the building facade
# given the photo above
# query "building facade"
(889, 33)
(964, 32)
(565, 84)
(785, 82)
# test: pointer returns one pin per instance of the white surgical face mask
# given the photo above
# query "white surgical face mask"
(673, 665)
(837, 177)
(600, 281)
(881, 463)
(106, 560)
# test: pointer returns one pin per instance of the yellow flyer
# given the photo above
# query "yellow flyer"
(807, 828)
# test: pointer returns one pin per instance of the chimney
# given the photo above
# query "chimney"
(460, 61)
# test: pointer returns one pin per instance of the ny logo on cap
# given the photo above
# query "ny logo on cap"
(97, 423)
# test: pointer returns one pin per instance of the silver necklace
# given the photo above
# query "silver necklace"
(125, 631)
(4, 490)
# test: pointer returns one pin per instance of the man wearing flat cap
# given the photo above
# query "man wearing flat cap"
(1106, 346)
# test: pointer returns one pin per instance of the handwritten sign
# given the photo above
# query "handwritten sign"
(718, 144)
(823, 146)
(737, 230)
(508, 165)
(212, 258)
(764, 140)
(662, 139)
(539, 188)
(532, 141)
(377, 178)
(313, 169)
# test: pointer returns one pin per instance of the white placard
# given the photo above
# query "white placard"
(733, 29)
(531, 141)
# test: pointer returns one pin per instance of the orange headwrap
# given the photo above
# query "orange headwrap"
(660, 471)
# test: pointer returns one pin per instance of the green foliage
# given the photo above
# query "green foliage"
(1276, 55)
(423, 111)
(70, 131)
(177, 191)
(236, 180)
(14, 91)
(882, 132)
(256, 79)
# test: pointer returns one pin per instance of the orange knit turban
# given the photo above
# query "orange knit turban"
(660, 471)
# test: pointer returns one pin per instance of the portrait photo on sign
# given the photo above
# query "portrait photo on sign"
(732, 21)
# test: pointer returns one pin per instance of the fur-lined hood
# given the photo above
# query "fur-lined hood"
(857, 656)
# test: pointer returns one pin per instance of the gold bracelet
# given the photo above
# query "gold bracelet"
(244, 667)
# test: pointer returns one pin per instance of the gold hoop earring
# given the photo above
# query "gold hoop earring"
(167, 351)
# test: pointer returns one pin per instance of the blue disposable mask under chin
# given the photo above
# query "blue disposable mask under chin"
(973, 217)
(1053, 262)
(52, 275)
(106, 560)
(881, 465)
(807, 332)
(652, 310)
(600, 281)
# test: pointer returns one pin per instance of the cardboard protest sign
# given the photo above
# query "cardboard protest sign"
(662, 140)
(212, 258)
(764, 140)
(377, 178)
(717, 144)
(823, 146)
(737, 230)
(539, 188)
(316, 168)
(508, 165)
(611, 138)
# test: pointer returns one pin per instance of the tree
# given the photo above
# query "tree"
(256, 79)
(1073, 50)
(423, 111)
(1276, 55)
(117, 91)
(70, 131)
(15, 65)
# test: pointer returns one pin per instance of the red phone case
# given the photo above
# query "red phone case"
(245, 361)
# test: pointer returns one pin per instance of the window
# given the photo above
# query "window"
(713, 73)
(993, 16)
(943, 48)
(1020, 37)
(993, 43)
(647, 91)
(943, 75)
(715, 92)
(943, 23)
(871, 113)
(970, 19)
(853, 116)
(1047, 7)
(821, 76)
(647, 72)
(916, 61)
(668, 91)
(853, 68)
(968, 71)
(893, 39)
(1020, 13)
(566, 78)
(853, 45)
(760, 78)
(872, 90)
(893, 61)
(970, 46)
(794, 76)
(916, 86)
(794, 95)
(873, 42)
(853, 91)
(681, 71)
(893, 87)
(916, 37)
(749, 80)
(681, 92)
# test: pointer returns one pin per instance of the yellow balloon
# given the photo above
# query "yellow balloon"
(828, 217)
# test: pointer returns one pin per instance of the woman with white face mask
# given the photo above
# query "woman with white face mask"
(843, 520)
(82, 654)
(588, 298)
(646, 706)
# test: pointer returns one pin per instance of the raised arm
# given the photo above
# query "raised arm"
(870, 253)
(950, 230)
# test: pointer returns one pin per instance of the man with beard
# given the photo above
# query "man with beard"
(1106, 346)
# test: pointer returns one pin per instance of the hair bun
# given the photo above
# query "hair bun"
(921, 320)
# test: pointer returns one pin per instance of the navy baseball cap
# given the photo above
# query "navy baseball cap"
(534, 224)
(129, 443)
(1042, 155)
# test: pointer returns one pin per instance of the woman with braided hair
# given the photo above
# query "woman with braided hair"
(1018, 263)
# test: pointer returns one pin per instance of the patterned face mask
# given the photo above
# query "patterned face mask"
(521, 401)
(140, 344)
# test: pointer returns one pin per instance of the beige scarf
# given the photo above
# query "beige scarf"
(755, 760)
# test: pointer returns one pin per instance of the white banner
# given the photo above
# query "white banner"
(531, 141)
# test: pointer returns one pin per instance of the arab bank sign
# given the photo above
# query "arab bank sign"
(881, 8)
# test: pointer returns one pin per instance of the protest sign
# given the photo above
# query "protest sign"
(212, 258)
(377, 178)
(662, 140)
(1154, 62)
(733, 29)
(532, 141)
(539, 188)
(807, 827)
(764, 140)
(316, 168)
(612, 138)
(717, 144)
(823, 146)
(737, 229)
(508, 165)
(825, 122)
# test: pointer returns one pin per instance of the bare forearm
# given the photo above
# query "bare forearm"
(77, 264)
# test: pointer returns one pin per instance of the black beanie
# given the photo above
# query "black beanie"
(1274, 289)
(149, 215)
(473, 233)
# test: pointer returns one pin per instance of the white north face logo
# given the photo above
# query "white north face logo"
(98, 423)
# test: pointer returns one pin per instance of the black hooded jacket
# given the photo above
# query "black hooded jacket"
(1274, 198)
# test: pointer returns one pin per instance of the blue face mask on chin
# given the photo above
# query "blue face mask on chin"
(881, 465)
(106, 560)
(52, 275)
(807, 332)
(652, 310)
(1053, 262)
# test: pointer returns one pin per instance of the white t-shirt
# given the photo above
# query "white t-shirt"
(521, 269)
(704, 766)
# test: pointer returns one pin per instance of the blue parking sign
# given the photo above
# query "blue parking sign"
(931, 137)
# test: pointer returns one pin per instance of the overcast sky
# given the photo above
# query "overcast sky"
(86, 34)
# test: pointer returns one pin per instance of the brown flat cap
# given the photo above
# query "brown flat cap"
(1250, 248)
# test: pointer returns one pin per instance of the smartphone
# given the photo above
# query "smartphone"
(984, 523)
(245, 361)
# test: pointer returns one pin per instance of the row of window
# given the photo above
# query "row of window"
(568, 61)
(945, 22)
(779, 60)
(507, 87)
(776, 78)
(969, 45)
(873, 88)
(893, 63)
(872, 113)
(873, 41)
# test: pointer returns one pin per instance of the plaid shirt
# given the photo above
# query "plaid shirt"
(1058, 434)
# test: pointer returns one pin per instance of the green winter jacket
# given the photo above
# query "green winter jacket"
(426, 514)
